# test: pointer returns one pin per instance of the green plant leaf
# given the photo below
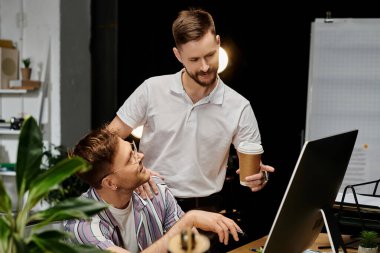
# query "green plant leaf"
(54, 235)
(51, 241)
(19, 243)
(5, 200)
(68, 209)
(26, 62)
(71, 214)
(72, 186)
(4, 234)
(368, 239)
(15, 236)
(29, 155)
(50, 178)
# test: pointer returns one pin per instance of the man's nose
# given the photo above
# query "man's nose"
(204, 65)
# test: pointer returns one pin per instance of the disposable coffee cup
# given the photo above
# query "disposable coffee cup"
(249, 160)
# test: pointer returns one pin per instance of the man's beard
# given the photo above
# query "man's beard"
(202, 83)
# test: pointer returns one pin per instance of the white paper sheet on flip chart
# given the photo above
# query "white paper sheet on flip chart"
(344, 90)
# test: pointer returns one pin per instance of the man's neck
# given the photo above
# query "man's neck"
(118, 199)
(194, 90)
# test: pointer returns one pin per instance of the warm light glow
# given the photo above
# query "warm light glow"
(223, 59)
(137, 132)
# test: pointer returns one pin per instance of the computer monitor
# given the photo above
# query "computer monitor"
(310, 195)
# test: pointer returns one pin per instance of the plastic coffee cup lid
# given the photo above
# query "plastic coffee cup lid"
(250, 148)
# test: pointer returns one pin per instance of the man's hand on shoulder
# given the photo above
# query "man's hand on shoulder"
(149, 188)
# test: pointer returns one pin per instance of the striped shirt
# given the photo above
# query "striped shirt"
(153, 217)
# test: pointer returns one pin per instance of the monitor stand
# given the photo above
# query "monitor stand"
(333, 232)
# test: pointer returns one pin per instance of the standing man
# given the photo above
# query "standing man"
(191, 118)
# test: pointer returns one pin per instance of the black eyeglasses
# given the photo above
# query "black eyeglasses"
(135, 153)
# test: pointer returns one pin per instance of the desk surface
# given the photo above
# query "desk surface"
(322, 240)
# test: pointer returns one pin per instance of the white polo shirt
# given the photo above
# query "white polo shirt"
(189, 143)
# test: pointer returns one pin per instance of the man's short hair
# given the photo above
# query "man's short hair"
(192, 25)
(98, 148)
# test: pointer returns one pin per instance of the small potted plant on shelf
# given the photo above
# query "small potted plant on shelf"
(26, 71)
(368, 242)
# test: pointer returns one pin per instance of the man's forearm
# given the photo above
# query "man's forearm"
(161, 245)
(116, 249)
(207, 221)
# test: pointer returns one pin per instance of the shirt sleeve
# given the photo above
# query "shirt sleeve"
(93, 232)
(134, 110)
(248, 129)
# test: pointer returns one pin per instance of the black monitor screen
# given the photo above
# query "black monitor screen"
(313, 186)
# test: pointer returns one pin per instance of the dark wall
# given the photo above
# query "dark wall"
(269, 47)
(104, 58)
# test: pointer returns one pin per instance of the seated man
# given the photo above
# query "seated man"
(132, 224)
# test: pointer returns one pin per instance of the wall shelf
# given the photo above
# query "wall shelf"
(12, 91)
(7, 173)
(9, 131)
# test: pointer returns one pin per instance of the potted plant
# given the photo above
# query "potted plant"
(26, 71)
(368, 242)
(25, 231)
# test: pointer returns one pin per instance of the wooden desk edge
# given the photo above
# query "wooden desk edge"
(322, 240)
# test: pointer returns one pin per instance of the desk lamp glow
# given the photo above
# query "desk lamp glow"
(137, 132)
(223, 60)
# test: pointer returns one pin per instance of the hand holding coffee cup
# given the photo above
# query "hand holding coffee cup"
(249, 160)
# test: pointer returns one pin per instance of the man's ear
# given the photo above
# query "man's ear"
(218, 39)
(108, 183)
(177, 54)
